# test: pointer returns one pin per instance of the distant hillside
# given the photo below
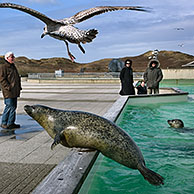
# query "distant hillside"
(168, 59)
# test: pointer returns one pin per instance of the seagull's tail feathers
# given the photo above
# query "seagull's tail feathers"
(89, 35)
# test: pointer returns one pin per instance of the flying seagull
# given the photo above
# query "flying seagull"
(64, 29)
(181, 45)
(179, 28)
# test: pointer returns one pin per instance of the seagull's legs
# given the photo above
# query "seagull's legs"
(81, 48)
(69, 53)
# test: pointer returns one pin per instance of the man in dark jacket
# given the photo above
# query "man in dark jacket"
(10, 86)
(126, 77)
(152, 76)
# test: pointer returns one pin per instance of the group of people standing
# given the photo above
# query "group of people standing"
(11, 85)
(152, 77)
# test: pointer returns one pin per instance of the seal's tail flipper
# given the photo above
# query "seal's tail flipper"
(151, 176)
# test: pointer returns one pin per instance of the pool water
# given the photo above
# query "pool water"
(167, 151)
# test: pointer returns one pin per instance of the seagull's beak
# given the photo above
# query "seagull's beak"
(42, 36)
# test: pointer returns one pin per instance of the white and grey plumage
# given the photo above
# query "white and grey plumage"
(64, 29)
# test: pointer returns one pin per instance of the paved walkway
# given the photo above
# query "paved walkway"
(25, 156)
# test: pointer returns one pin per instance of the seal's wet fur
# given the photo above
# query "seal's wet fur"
(176, 123)
(87, 130)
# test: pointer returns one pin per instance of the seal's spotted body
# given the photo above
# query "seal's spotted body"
(86, 130)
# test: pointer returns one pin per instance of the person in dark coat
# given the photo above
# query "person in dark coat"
(141, 87)
(11, 85)
(152, 76)
(126, 77)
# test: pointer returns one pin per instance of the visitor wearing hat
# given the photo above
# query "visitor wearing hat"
(126, 77)
(11, 85)
(152, 76)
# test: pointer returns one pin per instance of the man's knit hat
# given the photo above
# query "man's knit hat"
(8, 54)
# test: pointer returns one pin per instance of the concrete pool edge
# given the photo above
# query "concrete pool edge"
(69, 175)
(176, 95)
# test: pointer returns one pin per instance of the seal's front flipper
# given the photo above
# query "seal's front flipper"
(60, 138)
(57, 140)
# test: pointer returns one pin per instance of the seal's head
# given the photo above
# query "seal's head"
(35, 111)
(176, 123)
(43, 115)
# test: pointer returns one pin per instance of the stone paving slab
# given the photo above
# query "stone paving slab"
(21, 178)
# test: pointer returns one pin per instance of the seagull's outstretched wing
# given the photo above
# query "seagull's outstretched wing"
(88, 13)
(32, 12)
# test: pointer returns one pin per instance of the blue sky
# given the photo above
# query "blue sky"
(121, 33)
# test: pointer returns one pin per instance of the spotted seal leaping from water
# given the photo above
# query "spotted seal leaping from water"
(87, 130)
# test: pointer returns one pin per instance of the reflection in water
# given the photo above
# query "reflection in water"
(184, 130)
(6, 132)
(29, 128)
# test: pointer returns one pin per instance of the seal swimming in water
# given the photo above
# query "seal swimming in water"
(179, 126)
(176, 123)
(87, 130)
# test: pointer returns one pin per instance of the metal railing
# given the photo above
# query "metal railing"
(108, 75)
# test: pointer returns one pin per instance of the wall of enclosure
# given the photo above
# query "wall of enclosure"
(178, 73)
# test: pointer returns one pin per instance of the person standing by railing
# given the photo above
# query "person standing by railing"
(152, 76)
(126, 77)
